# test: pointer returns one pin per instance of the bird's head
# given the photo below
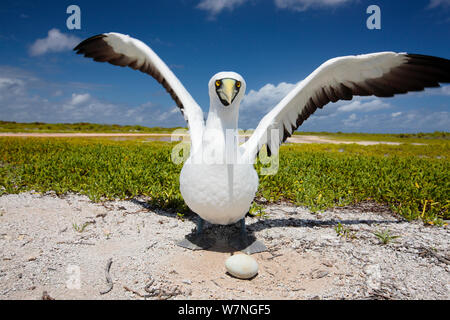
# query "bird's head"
(227, 89)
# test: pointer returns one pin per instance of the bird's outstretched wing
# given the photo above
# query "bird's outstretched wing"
(381, 74)
(123, 50)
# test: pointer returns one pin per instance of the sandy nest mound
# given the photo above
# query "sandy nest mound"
(62, 246)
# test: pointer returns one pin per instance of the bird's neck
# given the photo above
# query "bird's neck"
(221, 128)
(222, 119)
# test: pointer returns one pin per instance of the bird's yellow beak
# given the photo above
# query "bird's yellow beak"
(227, 90)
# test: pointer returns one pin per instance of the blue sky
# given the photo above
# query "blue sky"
(273, 44)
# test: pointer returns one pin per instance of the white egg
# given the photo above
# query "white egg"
(241, 266)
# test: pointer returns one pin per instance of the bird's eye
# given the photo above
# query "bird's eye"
(218, 83)
(238, 84)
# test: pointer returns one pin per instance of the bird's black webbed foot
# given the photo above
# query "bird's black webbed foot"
(246, 243)
(197, 240)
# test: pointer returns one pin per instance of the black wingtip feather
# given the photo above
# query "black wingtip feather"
(440, 67)
(83, 43)
(99, 50)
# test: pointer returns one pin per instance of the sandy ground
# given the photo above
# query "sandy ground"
(44, 249)
(166, 137)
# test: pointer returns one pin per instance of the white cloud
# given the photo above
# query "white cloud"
(57, 93)
(267, 97)
(358, 105)
(439, 91)
(54, 42)
(351, 121)
(445, 90)
(166, 115)
(79, 98)
(85, 108)
(303, 5)
(418, 120)
(362, 114)
(257, 103)
(437, 3)
(214, 7)
(20, 102)
(11, 86)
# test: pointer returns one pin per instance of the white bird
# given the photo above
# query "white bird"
(218, 181)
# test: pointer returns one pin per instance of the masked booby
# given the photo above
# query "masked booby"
(218, 181)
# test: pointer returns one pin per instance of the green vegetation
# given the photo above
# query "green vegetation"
(258, 211)
(40, 127)
(413, 180)
(98, 168)
(405, 176)
(344, 232)
(81, 228)
(385, 236)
